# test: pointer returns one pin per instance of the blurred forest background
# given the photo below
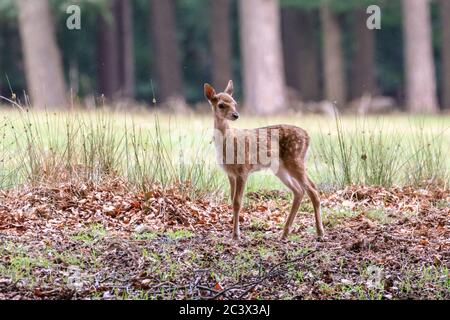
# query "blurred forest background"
(304, 55)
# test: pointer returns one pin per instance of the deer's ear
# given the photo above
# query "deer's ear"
(230, 88)
(210, 93)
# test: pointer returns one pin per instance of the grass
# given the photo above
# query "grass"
(91, 234)
(179, 234)
(333, 217)
(167, 265)
(378, 215)
(88, 261)
(145, 236)
(21, 264)
(148, 148)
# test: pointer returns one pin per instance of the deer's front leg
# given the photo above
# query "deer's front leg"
(232, 187)
(237, 203)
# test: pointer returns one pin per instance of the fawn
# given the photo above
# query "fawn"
(292, 145)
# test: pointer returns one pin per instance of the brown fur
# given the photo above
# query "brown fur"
(293, 146)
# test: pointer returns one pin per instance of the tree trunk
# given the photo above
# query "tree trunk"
(264, 82)
(445, 18)
(333, 59)
(420, 73)
(301, 52)
(363, 66)
(220, 38)
(11, 60)
(43, 65)
(166, 57)
(126, 48)
(108, 55)
(290, 30)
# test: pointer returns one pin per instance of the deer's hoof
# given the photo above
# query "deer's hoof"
(285, 235)
(321, 237)
(320, 232)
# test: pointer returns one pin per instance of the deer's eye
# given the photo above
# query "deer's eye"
(221, 106)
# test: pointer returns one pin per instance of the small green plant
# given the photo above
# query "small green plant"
(306, 207)
(295, 238)
(333, 217)
(145, 236)
(21, 263)
(179, 234)
(258, 225)
(91, 234)
(378, 215)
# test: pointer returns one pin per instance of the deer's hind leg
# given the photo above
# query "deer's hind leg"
(298, 192)
(299, 173)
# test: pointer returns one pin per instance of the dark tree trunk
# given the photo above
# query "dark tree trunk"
(126, 48)
(363, 66)
(11, 61)
(333, 58)
(290, 31)
(220, 38)
(43, 64)
(420, 74)
(262, 55)
(167, 63)
(421, 94)
(445, 17)
(108, 55)
(301, 52)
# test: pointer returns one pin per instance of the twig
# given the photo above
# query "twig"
(399, 239)
(255, 284)
(201, 287)
(12, 102)
(11, 285)
(269, 274)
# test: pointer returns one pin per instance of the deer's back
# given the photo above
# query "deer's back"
(291, 145)
(293, 141)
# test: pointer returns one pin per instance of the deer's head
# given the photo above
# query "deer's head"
(223, 104)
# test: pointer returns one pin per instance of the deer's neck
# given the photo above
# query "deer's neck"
(221, 125)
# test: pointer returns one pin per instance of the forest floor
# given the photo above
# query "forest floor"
(85, 241)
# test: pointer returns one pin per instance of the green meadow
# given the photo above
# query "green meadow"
(145, 148)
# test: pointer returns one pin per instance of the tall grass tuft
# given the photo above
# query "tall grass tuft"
(38, 147)
(379, 155)
(428, 160)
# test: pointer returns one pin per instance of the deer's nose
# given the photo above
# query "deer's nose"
(235, 115)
